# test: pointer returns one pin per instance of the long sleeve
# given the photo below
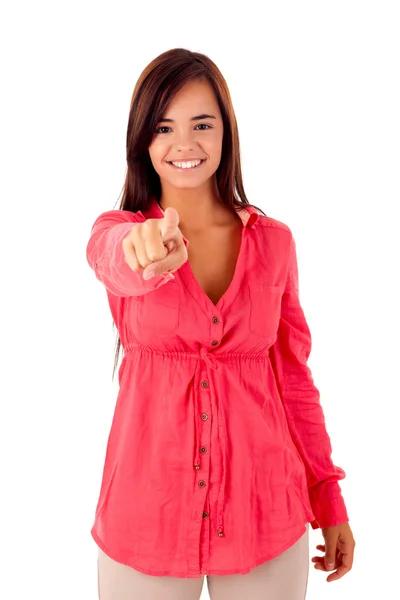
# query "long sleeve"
(105, 255)
(301, 401)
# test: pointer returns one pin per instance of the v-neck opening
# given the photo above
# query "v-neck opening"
(232, 283)
(193, 286)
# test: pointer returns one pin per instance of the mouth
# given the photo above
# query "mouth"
(184, 169)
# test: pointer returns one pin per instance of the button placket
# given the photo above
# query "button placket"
(211, 361)
(198, 534)
(202, 450)
(204, 384)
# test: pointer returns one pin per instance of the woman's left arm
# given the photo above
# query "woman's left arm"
(301, 401)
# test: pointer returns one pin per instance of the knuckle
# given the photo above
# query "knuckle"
(135, 230)
(150, 224)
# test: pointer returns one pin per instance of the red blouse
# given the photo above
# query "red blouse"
(218, 454)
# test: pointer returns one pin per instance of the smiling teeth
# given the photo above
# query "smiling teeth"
(187, 165)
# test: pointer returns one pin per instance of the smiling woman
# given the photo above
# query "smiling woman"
(218, 458)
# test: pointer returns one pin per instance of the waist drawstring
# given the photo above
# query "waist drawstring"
(211, 361)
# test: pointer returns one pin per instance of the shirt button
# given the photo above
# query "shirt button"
(205, 514)
(202, 483)
(204, 384)
(215, 320)
(204, 416)
(214, 342)
(203, 449)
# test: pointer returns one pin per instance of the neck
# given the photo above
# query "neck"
(196, 212)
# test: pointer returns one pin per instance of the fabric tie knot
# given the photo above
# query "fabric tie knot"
(209, 358)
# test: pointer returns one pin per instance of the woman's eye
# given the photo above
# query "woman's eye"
(199, 125)
(158, 129)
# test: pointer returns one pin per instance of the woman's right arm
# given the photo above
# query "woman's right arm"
(105, 255)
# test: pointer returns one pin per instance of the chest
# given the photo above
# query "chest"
(213, 258)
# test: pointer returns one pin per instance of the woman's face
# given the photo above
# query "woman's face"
(191, 128)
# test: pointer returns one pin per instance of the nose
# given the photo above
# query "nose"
(184, 138)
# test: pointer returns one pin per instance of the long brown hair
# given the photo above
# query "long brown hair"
(154, 90)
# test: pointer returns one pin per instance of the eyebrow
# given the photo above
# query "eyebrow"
(196, 118)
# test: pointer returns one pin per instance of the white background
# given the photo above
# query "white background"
(315, 87)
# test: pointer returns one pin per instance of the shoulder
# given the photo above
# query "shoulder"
(277, 235)
(271, 223)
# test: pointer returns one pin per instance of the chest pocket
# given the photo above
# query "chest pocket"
(157, 312)
(265, 309)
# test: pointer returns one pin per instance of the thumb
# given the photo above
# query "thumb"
(170, 222)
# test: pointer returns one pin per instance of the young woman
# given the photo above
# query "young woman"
(218, 458)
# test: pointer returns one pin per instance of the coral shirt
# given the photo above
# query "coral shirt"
(218, 455)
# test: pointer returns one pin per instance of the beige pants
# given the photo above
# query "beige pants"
(281, 578)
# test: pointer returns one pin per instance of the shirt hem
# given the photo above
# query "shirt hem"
(207, 571)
